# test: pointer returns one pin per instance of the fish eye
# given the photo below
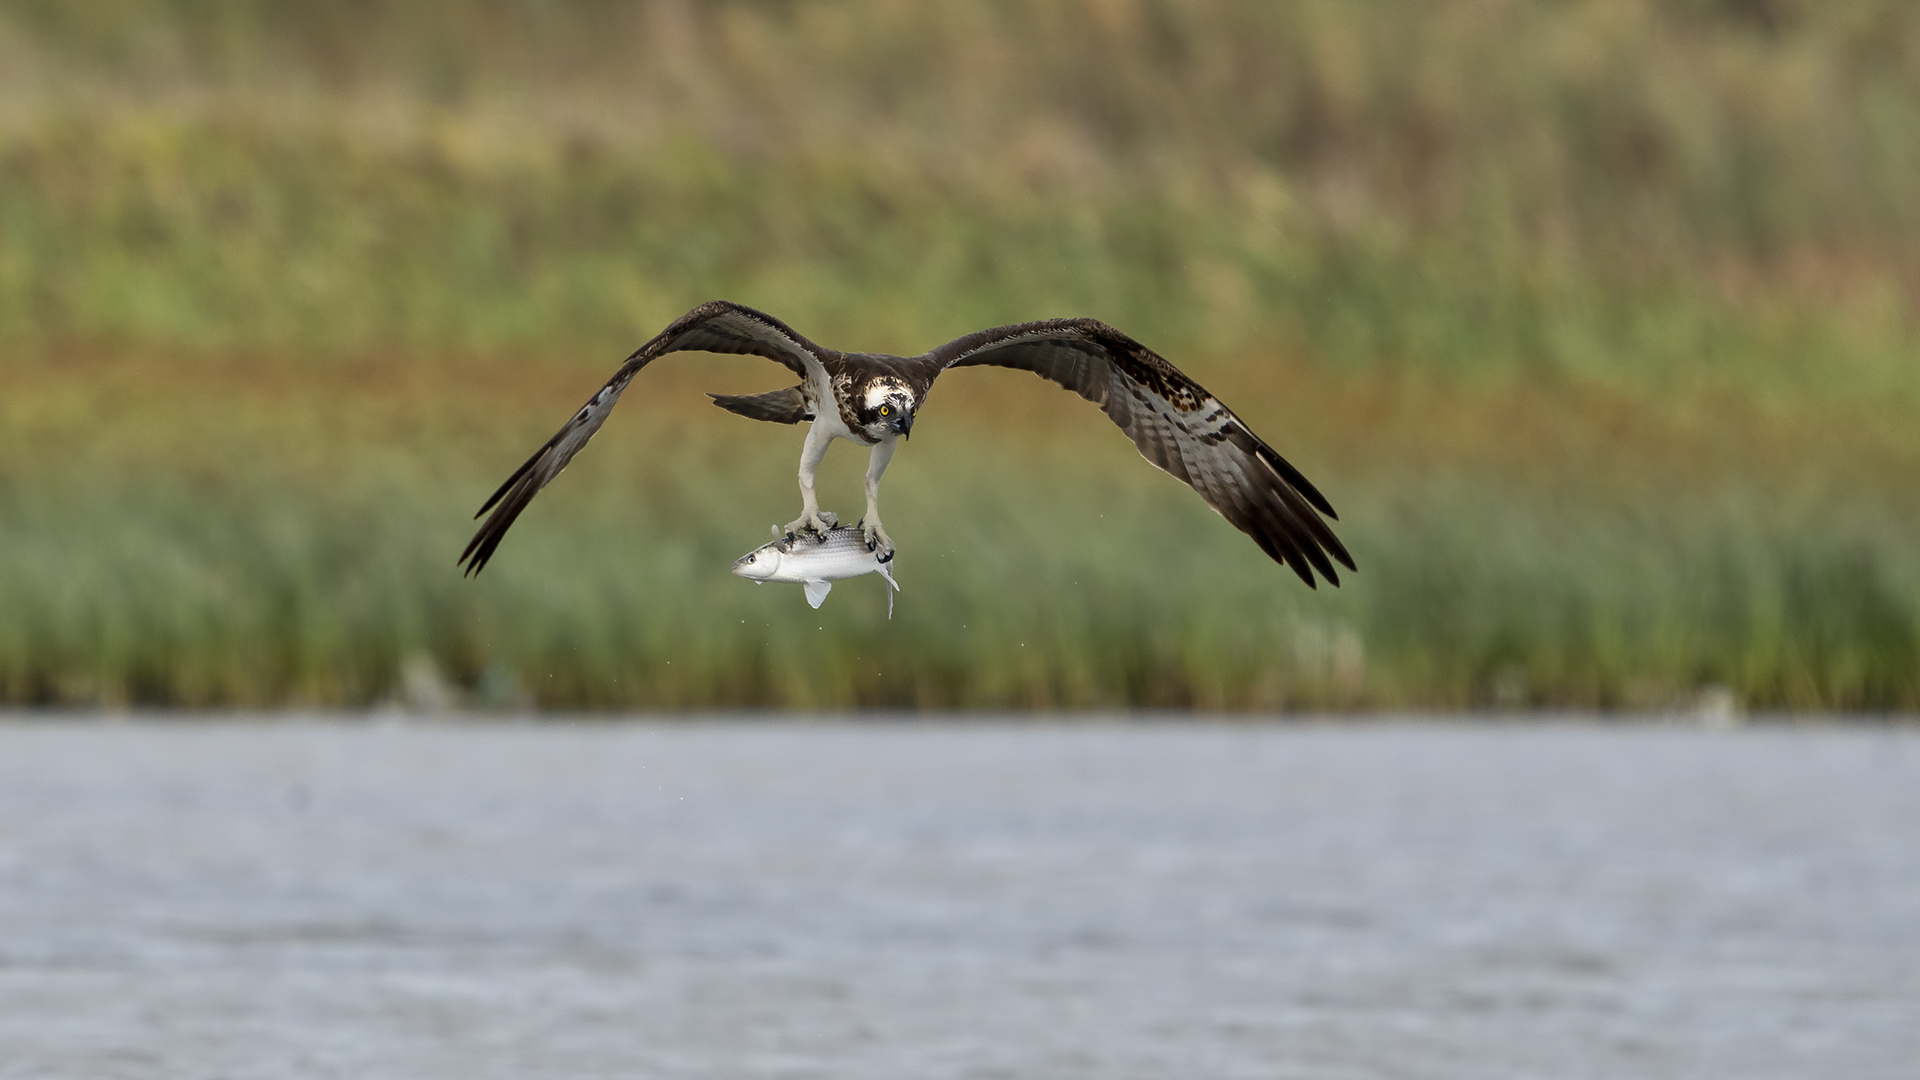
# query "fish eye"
(753, 558)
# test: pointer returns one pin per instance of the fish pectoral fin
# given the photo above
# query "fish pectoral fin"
(817, 591)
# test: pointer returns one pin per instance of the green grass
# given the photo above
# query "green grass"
(1593, 319)
(272, 599)
(254, 536)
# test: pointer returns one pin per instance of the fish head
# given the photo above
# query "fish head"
(885, 405)
(759, 564)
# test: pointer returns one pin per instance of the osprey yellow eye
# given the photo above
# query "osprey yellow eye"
(886, 410)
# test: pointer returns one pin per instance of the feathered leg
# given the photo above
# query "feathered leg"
(811, 519)
(877, 539)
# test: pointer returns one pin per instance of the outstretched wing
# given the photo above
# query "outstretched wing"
(719, 326)
(1177, 425)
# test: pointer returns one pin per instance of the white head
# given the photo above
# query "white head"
(886, 407)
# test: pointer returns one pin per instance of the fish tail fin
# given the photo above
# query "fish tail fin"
(817, 592)
(892, 587)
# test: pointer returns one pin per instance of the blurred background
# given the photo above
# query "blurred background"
(1594, 320)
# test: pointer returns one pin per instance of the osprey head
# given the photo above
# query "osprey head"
(884, 406)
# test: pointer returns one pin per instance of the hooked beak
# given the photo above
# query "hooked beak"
(904, 425)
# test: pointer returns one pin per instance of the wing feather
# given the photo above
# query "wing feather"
(720, 326)
(787, 406)
(1177, 425)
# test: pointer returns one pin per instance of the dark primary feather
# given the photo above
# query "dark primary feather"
(1177, 425)
(720, 326)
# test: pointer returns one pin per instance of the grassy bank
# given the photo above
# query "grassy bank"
(1700, 190)
(252, 534)
(1594, 320)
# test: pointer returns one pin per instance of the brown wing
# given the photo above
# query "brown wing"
(1177, 425)
(719, 326)
(787, 406)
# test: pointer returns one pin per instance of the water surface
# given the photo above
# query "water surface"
(873, 900)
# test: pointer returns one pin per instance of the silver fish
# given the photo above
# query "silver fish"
(816, 562)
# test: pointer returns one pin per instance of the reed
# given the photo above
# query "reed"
(1593, 319)
(252, 534)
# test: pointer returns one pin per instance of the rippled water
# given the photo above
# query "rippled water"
(867, 900)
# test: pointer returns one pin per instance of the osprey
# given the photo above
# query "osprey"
(871, 399)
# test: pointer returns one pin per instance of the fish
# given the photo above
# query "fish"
(816, 562)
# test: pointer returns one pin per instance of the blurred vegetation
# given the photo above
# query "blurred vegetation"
(1594, 319)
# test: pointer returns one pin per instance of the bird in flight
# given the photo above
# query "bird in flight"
(871, 399)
